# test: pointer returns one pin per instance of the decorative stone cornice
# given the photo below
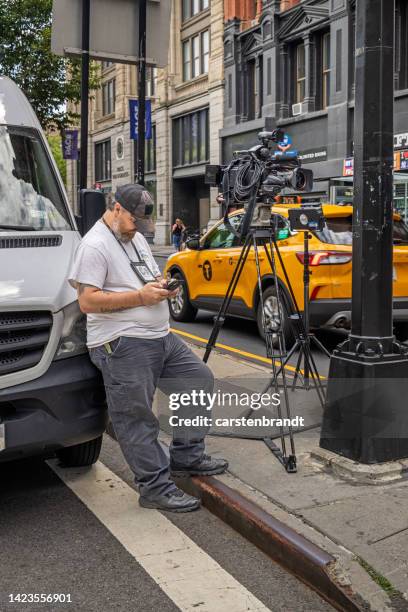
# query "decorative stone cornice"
(303, 17)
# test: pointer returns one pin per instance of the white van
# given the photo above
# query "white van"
(51, 396)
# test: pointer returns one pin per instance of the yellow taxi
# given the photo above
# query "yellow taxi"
(206, 267)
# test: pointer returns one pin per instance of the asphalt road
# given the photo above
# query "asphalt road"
(242, 335)
(57, 539)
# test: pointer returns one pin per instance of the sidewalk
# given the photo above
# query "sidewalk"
(356, 534)
(162, 251)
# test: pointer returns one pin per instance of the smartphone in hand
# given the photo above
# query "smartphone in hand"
(172, 284)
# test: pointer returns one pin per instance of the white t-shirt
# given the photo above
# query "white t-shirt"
(100, 262)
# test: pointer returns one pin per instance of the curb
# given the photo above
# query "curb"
(308, 562)
(378, 474)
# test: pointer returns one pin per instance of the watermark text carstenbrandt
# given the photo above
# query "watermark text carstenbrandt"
(255, 401)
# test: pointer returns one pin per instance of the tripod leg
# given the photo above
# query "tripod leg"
(320, 345)
(288, 414)
(297, 371)
(316, 379)
(317, 383)
(290, 462)
(219, 321)
(287, 358)
(303, 334)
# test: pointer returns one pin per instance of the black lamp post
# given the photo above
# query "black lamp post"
(366, 414)
(86, 10)
(141, 94)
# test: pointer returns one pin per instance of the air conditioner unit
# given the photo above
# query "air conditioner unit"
(297, 109)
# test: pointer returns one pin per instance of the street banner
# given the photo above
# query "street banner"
(134, 119)
(70, 144)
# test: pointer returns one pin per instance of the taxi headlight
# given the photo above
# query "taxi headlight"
(73, 335)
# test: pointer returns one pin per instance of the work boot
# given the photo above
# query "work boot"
(207, 466)
(173, 501)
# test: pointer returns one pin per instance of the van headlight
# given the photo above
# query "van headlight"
(73, 335)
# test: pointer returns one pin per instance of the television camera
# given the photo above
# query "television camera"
(255, 177)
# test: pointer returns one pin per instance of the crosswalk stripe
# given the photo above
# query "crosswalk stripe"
(188, 576)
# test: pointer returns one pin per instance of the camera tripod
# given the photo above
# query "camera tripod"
(304, 337)
(274, 338)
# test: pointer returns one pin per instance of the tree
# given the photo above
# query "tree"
(49, 81)
(55, 141)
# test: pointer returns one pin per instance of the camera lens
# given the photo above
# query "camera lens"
(300, 180)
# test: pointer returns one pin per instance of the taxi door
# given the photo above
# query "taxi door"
(227, 258)
(211, 274)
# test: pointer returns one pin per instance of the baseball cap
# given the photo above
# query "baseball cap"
(137, 200)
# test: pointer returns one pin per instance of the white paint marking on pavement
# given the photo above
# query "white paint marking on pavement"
(188, 576)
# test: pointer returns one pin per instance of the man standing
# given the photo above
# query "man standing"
(121, 290)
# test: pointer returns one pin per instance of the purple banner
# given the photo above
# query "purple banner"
(70, 144)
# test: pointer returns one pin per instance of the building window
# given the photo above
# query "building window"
(325, 70)
(300, 73)
(205, 51)
(103, 161)
(108, 97)
(196, 54)
(151, 81)
(186, 60)
(190, 139)
(195, 47)
(106, 65)
(193, 7)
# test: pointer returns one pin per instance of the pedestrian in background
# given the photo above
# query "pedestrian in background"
(177, 232)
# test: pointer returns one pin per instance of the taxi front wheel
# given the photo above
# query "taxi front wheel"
(275, 316)
(180, 306)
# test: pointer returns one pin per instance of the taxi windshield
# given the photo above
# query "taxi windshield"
(339, 230)
(30, 197)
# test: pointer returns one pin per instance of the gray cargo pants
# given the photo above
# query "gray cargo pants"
(131, 374)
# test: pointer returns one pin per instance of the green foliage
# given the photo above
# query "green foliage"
(381, 580)
(54, 140)
(49, 81)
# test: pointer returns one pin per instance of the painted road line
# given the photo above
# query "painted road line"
(232, 349)
(188, 576)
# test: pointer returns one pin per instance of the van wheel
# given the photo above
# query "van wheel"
(273, 314)
(180, 306)
(80, 455)
(401, 331)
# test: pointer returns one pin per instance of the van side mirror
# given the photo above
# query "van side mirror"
(193, 244)
(92, 205)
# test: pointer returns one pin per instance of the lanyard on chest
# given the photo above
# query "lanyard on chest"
(140, 267)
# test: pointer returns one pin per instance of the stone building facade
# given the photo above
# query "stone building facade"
(291, 64)
(187, 115)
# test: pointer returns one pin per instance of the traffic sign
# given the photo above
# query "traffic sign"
(114, 30)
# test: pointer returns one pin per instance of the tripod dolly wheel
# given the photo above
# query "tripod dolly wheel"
(272, 315)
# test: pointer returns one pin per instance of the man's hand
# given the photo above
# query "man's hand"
(163, 283)
(154, 293)
(93, 300)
